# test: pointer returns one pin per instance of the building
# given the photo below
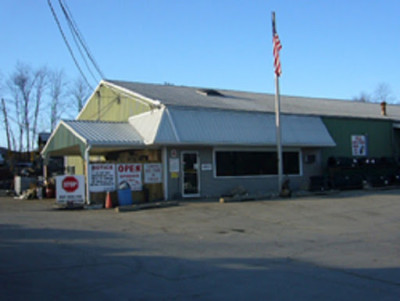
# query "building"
(210, 141)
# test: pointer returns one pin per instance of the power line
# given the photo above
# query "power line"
(67, 44)
(78, 34)
(82, 55)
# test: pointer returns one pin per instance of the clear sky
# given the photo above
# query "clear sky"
(331, 48)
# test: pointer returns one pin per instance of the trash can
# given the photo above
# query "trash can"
(124, 194)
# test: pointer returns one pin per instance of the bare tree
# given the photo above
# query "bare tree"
(80, 92)
(40, 87)
(26, 86)
(363, 97)
(383, 93)
(21, 85)
(57, 84)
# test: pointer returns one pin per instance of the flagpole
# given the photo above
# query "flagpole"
(277, 112)
(278, 134)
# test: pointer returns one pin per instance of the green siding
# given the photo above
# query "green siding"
(64, 140)
(379, 135)
(107, 104)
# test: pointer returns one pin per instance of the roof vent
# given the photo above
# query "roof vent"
(209, 92)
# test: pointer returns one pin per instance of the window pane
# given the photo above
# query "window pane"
(247, 163)
(291, 163)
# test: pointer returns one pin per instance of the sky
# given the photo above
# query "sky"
(331, 49)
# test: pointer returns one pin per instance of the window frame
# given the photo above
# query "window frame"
(245, 149)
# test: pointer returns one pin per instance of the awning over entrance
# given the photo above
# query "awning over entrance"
(74, 137)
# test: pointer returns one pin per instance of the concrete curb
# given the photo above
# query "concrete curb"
(163, 204)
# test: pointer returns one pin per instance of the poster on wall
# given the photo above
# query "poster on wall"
(152, 173)
(70, 189)
(359, 145)
(173, 164)
(102, 177)
(130, 173)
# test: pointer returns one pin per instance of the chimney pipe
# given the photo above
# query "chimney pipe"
(383, 108)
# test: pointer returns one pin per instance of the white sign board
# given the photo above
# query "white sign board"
(152, 173)
(70, 189)
(206, 167)
(130, 173)
(102, 177)
(359, 145)
(173, 164)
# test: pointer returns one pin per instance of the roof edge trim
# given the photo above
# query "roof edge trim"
(173, 127)
(146, 100)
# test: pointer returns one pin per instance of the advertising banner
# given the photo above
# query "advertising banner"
(102, 177)
(70, 189)
(130, 173)
(152, 173)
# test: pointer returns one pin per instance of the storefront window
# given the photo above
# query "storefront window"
(254, 163)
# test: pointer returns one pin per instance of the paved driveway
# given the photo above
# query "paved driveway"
(338, 247)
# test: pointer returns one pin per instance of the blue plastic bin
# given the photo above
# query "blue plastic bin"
(125, 197)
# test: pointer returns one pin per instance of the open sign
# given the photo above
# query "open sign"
(130, 173)
(126, 168)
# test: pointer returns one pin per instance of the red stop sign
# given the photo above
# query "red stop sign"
(70, 184)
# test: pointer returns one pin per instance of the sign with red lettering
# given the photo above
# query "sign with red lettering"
(130, 173)
(70, 189)
(102, 177)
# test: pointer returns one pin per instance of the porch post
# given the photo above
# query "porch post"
(87, 161)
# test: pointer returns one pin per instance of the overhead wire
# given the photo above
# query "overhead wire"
(76, 33)
(67, 44)
(82, 55)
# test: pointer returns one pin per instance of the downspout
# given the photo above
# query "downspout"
(87, 161)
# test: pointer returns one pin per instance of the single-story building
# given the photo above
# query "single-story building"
(207, 142)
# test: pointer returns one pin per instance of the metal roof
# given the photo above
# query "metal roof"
(104, 133)
(171, 95)
(72, 137)
(178, 125)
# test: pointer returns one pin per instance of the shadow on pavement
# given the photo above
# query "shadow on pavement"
(46, 264)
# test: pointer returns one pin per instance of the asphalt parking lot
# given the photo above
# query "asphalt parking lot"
(338, 247)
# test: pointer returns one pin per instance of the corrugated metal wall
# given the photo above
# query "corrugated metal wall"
(379, 135)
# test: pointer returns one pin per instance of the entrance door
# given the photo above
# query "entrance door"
(190, 171)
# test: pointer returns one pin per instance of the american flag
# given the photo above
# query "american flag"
(277, 47)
